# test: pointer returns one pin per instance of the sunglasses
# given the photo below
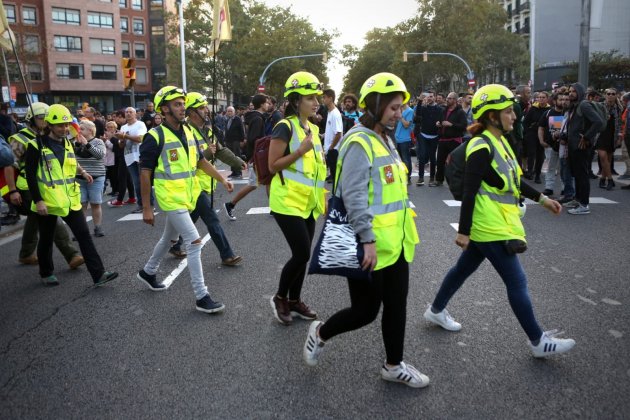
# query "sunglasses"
(310, 86)
(610, 93)
(501, 100)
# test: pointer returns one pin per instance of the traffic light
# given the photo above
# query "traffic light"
(405, 56)
(129, 72)
(425, 57)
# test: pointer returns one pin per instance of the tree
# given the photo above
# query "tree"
(606, 69)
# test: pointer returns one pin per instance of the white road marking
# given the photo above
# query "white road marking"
(134, 216)
(10, 238)
(601, 200)
(455, 226)
(615, 333)
(259, 210)
(453, 203)
(182, 265)
(611, 301)
(411, 205)
(556, 270)
(587, 300)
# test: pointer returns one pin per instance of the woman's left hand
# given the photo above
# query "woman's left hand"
(552, 205)
(88, 177)
(369, 257)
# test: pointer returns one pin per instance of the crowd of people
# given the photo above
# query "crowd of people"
(363, 145)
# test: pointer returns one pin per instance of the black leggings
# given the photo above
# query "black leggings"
(299, 234)
(125, 182)
(388, 285)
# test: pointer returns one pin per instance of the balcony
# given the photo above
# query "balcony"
(524, 7)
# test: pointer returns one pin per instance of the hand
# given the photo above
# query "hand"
(543, 144)
(16, 198)
(369, 257)
(307, 144)
(447, 124)
(552, 205)
(462, 241)
(42, 210)
(81, 140)
(147, 215)
(87, 177)
(583, 144)
(212, 148)
(244, 166)
(438, 124)
(228, 185)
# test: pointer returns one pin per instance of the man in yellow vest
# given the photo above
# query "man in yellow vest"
(197, 114)
(170, 154)
(51, 170)
(21, 198)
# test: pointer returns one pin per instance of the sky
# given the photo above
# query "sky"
(352, 19)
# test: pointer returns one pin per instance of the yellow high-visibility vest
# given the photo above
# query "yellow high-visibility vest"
(206, 182)
(24, 136)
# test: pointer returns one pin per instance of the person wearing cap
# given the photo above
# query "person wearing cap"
(196, 117)
(170, 154)
(51, 170)
(296, 194)
(372, 182)
(490, 224)
(21, 198)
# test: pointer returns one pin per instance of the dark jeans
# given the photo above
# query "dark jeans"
(30, 235)
(124, 182)
(134, 171)
(299, 234)
(404, 150)
(535, 156)
(444, 149)
(209, 217)
(389, 285)
(426, 152)
(511, 272)
(77, 224)
(112, 175)
(580, 163)
(331, 162)
(235, 147)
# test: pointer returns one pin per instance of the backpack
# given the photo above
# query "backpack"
(260, 159)
(456, 166)
(348, 122)
(601, 110)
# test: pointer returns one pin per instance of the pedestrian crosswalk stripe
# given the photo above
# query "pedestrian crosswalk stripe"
(601, 200)
(455, 226)
(259, 210)
(182, 265)
(134, 216)
(453, 203)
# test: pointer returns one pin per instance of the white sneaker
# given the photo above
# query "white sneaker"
(443, 319)
(550, 345)
(313, 345)
(580, 210)
(405, 374)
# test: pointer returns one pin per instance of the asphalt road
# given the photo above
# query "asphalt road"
(122, 351)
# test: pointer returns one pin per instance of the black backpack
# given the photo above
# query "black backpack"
(456, 166)
(348, 122)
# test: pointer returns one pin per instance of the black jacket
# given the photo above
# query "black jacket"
(235, 133)
(459, 121)
(586, 122)
(255, 122)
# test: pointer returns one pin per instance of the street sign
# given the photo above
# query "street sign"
(13, 93)
(261, 88)
(471, 82)
(12, 103)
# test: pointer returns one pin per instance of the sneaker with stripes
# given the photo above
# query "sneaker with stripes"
(313, 345)
(405, 374)
(550, 345)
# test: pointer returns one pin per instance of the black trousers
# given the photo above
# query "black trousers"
(112, 175)
(77, 224)
(299, 234)
(580, 164)
(331, 162)
(125, 183)
(535, 156)
(444, 149)
(390, 286)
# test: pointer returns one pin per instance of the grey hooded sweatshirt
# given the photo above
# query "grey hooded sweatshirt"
(586, 122)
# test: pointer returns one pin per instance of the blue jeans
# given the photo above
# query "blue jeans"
(134, 171)
(426, 151)
(567, 178)
(204, 210)
(404, 149)
(511, 272)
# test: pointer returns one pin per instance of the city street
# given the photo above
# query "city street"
(122, 351)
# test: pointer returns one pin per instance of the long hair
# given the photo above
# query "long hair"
(292, 105)
(372, 115)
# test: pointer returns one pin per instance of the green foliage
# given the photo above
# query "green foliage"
(606, 69)
(472, 29)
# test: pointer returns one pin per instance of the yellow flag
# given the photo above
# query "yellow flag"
(222, 26)
(5, 30)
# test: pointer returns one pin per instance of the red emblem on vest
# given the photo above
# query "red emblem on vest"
(173, 155)
(389, 174)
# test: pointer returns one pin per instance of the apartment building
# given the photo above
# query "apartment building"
(71, 50)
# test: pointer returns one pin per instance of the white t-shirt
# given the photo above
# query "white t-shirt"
(132, 149)
(334, 125)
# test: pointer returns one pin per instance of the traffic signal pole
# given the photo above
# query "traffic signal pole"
(263, 76)
(470, 75)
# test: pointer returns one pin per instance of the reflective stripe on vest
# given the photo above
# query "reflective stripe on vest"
(206, 182)
(299, 176)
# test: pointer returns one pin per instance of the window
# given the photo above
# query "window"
(100, 20)
(136, 4)
(122, 4)
(141, 76)
(157, 3)
(35, 72)
(102, 46)
(68, 43)
(67, 16)
(124, 24)
(10, 10)
(138, 26)
(139, 50)
(100, 72)
(29, 16)
(31, 44)
(157, 30)
(125, 49)
(70, 71)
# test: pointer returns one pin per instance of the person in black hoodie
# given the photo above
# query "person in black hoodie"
(255, 128)
(452, 127)
(425, 119)
(583, 125)
(532, 149)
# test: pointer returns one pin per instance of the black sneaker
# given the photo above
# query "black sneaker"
(106, 278)
(151, 281)
(209, 306)
(537, 179)
(420, 182)
(229, 209)
(548, 192)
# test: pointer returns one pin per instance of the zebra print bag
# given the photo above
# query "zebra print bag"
(337, 252)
